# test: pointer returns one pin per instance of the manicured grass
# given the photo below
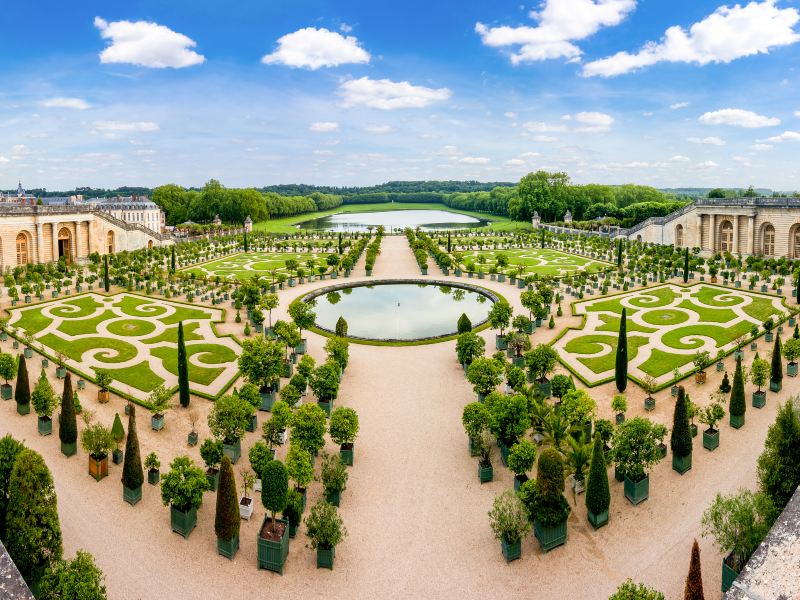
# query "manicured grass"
(33, 321)
(533, 260)
(761, 308)
(594, 344)
(183, 313)
(86, 306)
(712, 315)
(243, 266)
(131, 327)
(720, 335)
(85, 326)
(713, 296)
(653, 297)
(113, 350)
(132, 306)
(612, 324)
(665, 317)
(170, 335)
(660, 362)
(211, 354)
(139, 376)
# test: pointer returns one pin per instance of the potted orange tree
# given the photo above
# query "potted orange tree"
(343, 429)
(182, 490)
(325, 529)
(509, 521)
(97, 441)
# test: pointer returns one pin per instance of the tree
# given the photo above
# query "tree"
(737, 406)
(485, 374)
(183, 369)
(308, 428)
(521, 457)
(9, 450)
(544, 193)
(44, 399)
(598, 496)
(274, 489)
(324, 526)
(302, 313)
(324, 381)
(694, 580)
(779, 463)
(500, 315)
(464, 324)
(261, 361)
(630, 591)
(229, 418)
(759, 371)
(681, 439)
(475, 419)
(543, 497)
(226, 520)
(508, 518)
(341, 327)
(686, 265)
(67, 425)
(184, 484)
(619, 253)
(621, 361)
(725, 385)
(33, 532)
(106, 280)
(22, 394)
(541, 361)
(8, 366)
(532, 301)
(344, 425)
(776, 375)
(132, 473)
(338, 349)
(577, 408)
(560, 385)
(76, 579)
(172, 259)
(634, 448)
(509, 419)
(469, 346)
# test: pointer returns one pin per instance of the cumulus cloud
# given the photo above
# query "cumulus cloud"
(709, 164)
(738, 118)
(761, 147)
(723, 36)
(593, 122)
(146, 44)
(475, 160)
(678, 105)
(313, 48)
(324, 127)
(707, 141)
(515, 162)
(385, 94)
(786, 136)
(379, 129)
(542, 127)
(679, 158)
(72, 103)
(126, 126)
(560, 23)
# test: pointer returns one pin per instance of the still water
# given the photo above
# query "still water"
(394, 219)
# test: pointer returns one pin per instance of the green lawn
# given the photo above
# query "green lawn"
(131, 327)
(139, 376)
(85, 326)
(532, 260)
(210, 354)
(33, 321)
(241, 267)
(114, 350)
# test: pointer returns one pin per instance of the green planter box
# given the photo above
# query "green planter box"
(157, 422)
(504, 451)
(228, 548)
(775, 386)
(28, 352)
(69, 449)
(693, 429)
(759, 399)
(288, 369)
(6, 391)
(212, 475)
(500, 342)
(681, 464)
(233, 451)
(191, 438)
(737, 421)
(61, 372)
(153, 476)
(272, 554)
(649, 403)
(711, 439)
(251, 426)
(182, 522)
(131, 496)
(637, 491)
(45, 425)
(485, 473)
(511, 551)
(544, 388)
(550, 537)
(301, 347)
(618, 475)
(728, 576)
(326, 405)
(599, 520)
(346, 454)
(325, 557)
(333, 497)
(267, 400)
(791, 369)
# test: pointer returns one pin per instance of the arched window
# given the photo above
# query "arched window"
(726, 237)
(794, 242)
(23, 249)
(768, 245)
(110, 242)
(679, 236)
(149, 244)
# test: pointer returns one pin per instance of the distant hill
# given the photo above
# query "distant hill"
(703, 192)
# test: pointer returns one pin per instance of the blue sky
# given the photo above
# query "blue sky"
(147, 92)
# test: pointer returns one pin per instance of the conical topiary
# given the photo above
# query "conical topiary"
(725, 386)
(464, 324)
(22, 394)
(621, 364)
(183, 369)
(737, 406)
(67, 426)
(686, 265)
(681, 438)
(776, 375)
(106, 280)
(117, 431)
(598, 497)
(226, 522)
(132, 472)
(694, 580)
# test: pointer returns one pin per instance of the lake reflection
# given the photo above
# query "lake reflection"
(397, 219)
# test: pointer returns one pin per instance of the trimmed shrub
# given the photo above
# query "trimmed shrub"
(737, 406)
(779, 463)
(598, 496)
(132, 473)
(681, 438)
(68, 426)
(694, 579)
(22, 393)
(226, 521)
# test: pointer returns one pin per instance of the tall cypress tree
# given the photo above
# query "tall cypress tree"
(621, 364)
(132, 472)
(598, 496)
(737, 406)
(686, 265)
(542, 239)
(183, 369)
(245, 241)
(681, 439)
(67, 425)
(22, 394)
(619, 252)
(448, 242)
(776, 375)
(172, 259)
(226, 521)
(694, 580)
(106, 281)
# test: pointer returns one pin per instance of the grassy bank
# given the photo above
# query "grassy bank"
(287, 224)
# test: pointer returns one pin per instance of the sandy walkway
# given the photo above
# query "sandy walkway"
(415, 511)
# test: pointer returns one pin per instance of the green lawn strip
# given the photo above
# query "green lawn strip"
(131, 327)
(85, 326)
(33, 321)
(665, 317)
(139, 376)
(760, 308)
(643, 298)
(130, 306)
(720, 335)
(74, 349)
(185, 314)
(709, 295)
(661, 362)
(611, 323)
(711, 315)
(86, 304)
(209, 354)
(612, 305)
(601, 364)
(535, 260)
(171, 335)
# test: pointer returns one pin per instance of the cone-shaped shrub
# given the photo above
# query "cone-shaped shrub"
(621, 365)
(598, 497)
(776, 375)
(226, 522)
(183, 369)
(106, 280)
(737, 406)
(464, 324)
(117, 430)
(23, 392)
(694, 580)
(132, 473)
(681, 439)
(68, 426)
(686, 265)
(725, 386)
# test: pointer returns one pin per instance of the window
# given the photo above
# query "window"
(726, 237)
(23, 256)
(769, 240)
(679, 236)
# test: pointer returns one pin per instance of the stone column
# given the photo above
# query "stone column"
(39, 244)
(735, 235)
(89, 248)
(712, 232)
(751, 238)
(56, 227)
(74, 251)
(699, 231)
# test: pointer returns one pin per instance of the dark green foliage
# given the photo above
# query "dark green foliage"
(776, 374)
(106, 280)
(737, 406)
(22, 394)
(621, 364)
(172, 259)
(694, 579)
(464, 324)
(67, 426)
(686, 265)
(509, 419)
(226, 522)
(796, 334)
(619, 253)
(448, 242)
(274, 487)
(779, 463)
(9, 450)
(294, 507)
(183, 369)
(132, 473)
(543, 497)
(725, 386)
(33, 533)
(598, 496)
(681, 438)
(341, 327)
(76, 579)
(117, 431)
(630, 591)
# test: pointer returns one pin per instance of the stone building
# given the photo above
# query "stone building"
(761, 226)
(137, 210)
(41, 234)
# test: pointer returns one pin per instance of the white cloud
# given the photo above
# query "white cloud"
(542, 127)
(475, 160)
(678, 105)
(560, 23)
(647, 113)
(385, 94)
(345, 28)
(707, 141)
(126, 126)
(73, 103)
(323, 152)
(146, 44)
(324, 127)
(679, 158)
(739, 118)
(3, 159)
(725, 35)
(547, 139)
(797, 113)
(529, 155)
(761, 147)
(709, 164)
(786, 136)
(515, 162)
(379, 129)
(593, 122)
(313, 49)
